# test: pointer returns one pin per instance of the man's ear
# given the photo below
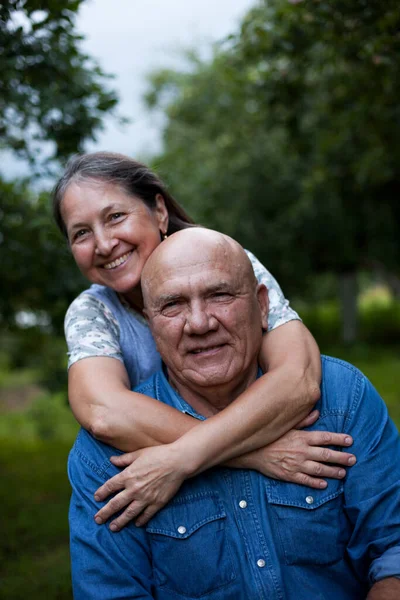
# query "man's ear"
(263, 301)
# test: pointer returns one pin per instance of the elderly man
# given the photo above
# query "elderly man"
(235, 534)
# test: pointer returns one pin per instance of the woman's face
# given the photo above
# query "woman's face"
(111, 234)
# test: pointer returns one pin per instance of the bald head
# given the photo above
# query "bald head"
(197, 248)
(207, 314)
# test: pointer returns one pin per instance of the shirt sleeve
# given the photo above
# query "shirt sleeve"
(279, 311)
(372, 487)
(91, 330)
(104, 565)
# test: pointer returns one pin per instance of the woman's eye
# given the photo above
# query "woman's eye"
(79, 234)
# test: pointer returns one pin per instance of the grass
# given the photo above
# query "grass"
(34, 495)
(382, 367)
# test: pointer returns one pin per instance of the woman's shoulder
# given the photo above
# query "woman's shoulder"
(88, 300)
(90, 307)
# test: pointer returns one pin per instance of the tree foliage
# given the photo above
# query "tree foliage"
(50, 91)
(289, 138)
(53, 98)
(38, 276)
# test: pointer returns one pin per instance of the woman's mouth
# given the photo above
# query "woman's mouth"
(118, 261)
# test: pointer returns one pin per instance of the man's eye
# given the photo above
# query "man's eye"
(221, 295)
(170, 304)
(116, 216)
(171, 308)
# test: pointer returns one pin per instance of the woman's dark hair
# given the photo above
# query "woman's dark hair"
(131, 176)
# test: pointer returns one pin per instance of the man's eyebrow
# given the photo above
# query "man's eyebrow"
(165, 298)
(221, 286)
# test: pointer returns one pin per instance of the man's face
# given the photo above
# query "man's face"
(206, 315)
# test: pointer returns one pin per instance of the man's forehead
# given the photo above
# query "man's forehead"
(189, 252)
(195, 275)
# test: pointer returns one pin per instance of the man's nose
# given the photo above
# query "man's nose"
(199, 321)
(105, 243)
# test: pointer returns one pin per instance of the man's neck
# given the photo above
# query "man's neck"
(209, 400)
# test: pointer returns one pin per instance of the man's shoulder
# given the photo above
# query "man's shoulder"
(342, 384)
(332, 366)
(90, 453)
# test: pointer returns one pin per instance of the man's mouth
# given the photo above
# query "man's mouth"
(118, 261)
(209, 349)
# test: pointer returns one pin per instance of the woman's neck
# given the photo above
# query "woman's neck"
(134, 298)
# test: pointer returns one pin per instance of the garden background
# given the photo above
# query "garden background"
(286, 136)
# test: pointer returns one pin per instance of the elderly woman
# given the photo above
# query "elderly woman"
(114, 212)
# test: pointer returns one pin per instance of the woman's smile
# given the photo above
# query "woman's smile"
(118, 261)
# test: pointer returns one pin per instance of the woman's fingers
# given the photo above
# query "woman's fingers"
(114, 505)
(308, 420)
(326, 455)
(123, 460)
(116, 483)
(326, 438)
(317, 469)
(130, 513)
(307, 480)
(148, 513)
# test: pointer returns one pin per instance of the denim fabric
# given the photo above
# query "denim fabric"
(236, 535)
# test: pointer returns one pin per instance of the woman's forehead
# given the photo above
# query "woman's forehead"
(93, 196)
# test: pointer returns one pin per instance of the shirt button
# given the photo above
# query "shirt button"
(309, 499)
(243, 504)
(181, 529)
(261, 563)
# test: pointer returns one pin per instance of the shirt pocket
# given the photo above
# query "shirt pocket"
(190, 553)
(310, 525)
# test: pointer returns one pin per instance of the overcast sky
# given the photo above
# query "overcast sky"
(130, 38)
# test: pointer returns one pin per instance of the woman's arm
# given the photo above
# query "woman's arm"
(267, 409)
(102, 402)
(151, 477)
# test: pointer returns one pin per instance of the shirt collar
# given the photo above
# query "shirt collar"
(166, 393)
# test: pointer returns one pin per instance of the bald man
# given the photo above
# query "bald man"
(235, 534)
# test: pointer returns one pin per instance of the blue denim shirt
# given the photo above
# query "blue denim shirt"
(236, 535)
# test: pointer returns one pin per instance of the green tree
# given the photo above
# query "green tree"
(53, 98)
(50, 91)
(38, 276)
(289, 138)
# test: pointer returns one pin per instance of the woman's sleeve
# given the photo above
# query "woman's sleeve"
(91, 330)
(279, 310)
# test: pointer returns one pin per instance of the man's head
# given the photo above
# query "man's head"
(206, 312)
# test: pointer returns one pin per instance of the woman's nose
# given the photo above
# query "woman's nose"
(105, 243)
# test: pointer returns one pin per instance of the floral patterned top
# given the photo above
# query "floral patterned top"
(91, 328)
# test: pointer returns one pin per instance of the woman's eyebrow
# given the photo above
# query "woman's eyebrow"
(102, 213)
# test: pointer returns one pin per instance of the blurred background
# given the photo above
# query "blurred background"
(277, 122)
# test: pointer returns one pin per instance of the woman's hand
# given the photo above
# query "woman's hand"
(301, 456)
(151, 477)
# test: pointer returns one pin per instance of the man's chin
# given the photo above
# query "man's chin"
(210, 377)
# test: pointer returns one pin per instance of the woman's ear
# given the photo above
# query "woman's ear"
(161, 213)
